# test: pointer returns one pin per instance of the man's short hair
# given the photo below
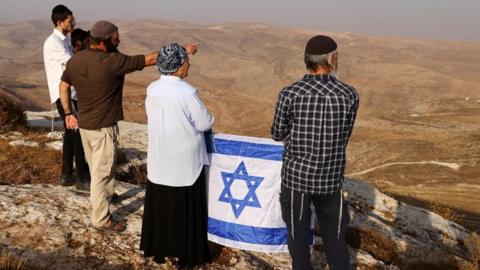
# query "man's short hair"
(97, 41)
(108, 42)
(60, 13)
(79, 35)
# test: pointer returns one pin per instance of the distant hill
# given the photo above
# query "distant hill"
(249, 63)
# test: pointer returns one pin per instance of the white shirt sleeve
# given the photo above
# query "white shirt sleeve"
(201, 118)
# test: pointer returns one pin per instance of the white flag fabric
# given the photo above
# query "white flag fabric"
(243, 194)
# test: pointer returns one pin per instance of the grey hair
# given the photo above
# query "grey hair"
(319, 59)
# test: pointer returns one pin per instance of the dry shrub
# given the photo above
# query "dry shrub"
(28, 165)
(10, 262)
(372, 241)
(38, 136)
(223, 256)
(139, 174)
(12, 115)
(132, 171)
(473, 244)
(135, 174)
(446, 213)
(121, 157)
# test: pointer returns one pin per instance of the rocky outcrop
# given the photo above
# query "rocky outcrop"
(48, 227)
(403, 235)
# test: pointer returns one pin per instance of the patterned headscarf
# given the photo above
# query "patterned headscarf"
(170, 58)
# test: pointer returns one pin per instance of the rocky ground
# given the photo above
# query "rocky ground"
(48, 227)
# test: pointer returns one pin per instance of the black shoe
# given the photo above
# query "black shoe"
(67, 180)
(159, 260)
(182, 265)
(83, 184)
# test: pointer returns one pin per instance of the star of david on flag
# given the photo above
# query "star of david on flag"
(252, 183)
(244, 180)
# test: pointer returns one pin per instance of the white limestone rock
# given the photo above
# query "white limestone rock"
(23, 142)
(55, 145)
(55, 135)
(44, 119)
(13, 135)
(403, 235)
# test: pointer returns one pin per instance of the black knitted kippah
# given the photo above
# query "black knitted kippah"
(320, 45)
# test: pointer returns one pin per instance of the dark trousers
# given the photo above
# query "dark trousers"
(327, 209)
(72, 147)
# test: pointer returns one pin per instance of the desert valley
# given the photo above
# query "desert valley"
(417, 132)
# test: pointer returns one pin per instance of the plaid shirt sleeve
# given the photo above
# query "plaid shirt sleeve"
(353, 114)
(280, 127)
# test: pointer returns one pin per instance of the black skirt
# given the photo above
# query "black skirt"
(175, 223)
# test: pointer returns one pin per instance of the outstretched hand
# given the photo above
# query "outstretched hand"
(71, 122)
(191, 48)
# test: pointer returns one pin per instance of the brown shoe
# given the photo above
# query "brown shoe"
(113, 226)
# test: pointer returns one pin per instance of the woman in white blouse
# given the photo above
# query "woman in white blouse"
(175, 212)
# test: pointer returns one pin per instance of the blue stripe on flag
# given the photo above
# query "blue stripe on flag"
(247, 234)
(248, 149)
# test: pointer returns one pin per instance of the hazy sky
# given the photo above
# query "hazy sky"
(437, 19)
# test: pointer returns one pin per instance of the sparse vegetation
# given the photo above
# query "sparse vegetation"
(28, 165)
(446, 213)
(12, 115)
(473, 244)
(375, 243)
(135, 171)
(139, 174)
(9, 262)
(135, 174)
(40, 165)
(389, 215)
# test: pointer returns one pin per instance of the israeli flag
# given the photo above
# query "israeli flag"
(243, 193)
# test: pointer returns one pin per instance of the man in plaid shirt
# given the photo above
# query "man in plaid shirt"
(314, 117)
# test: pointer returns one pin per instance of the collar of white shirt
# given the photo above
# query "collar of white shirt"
(170, 78)
(59, 34)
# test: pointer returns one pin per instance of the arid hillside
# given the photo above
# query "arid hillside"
(417, 133)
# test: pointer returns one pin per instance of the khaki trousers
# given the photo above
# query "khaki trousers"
(100, 147)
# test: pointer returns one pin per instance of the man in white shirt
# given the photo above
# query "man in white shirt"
(57, 51)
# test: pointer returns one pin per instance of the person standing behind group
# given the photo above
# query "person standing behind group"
(56, 52)
(315, 117)
(175, 211)
(80, 40)
(98, 74)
